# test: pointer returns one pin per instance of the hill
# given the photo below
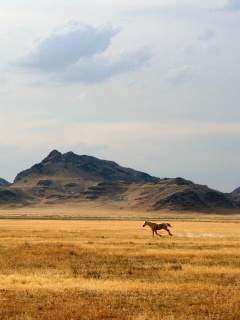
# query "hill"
(70, 178)
(237, 190)
(4, 183)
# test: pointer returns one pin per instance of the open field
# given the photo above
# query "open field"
(96, 269)
(103, 211)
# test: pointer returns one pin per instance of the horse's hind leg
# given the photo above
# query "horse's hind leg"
(169, 232)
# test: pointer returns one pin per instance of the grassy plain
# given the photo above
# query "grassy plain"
(97, 269)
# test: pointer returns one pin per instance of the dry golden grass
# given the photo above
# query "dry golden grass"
(116, 270)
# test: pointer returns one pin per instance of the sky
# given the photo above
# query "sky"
(150, 84)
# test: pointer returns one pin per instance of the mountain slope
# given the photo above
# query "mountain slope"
(70, 178)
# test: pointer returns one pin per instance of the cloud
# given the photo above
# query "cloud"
(207, 35)
(98, 68)
(66, 44)
(230, 6)
(181, 75)
(76, 52)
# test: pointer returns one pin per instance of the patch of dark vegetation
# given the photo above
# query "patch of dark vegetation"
(56, 196)
(44, 183)
(182, 182)
(70, 185)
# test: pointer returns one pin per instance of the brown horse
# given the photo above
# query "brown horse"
(155, 227)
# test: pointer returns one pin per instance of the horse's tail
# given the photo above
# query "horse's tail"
(169, 225)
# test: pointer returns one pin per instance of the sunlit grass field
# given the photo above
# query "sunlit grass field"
(116, 270)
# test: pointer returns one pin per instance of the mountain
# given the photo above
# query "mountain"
(4, 183)
(237, 190)
(181, 194)
(79, 179)
(85, 168)
(236, 196)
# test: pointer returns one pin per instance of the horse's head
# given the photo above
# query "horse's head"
(145, 223)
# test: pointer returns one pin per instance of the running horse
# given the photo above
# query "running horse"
(160, 226)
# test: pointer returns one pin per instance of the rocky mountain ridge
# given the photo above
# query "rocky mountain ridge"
(61, 178)
(83, 167)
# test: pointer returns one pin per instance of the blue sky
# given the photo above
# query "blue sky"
(152, 85)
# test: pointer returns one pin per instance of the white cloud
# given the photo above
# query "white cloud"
(66, 44)
(97, 68)
(207, 35)
(76, 52)
(181, 75)
(232, 5)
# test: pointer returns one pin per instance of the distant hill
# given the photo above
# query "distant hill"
(79, 179)
(16, 197)
(236, 196)
(237, 190)
(4, 183)
(181, 194)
